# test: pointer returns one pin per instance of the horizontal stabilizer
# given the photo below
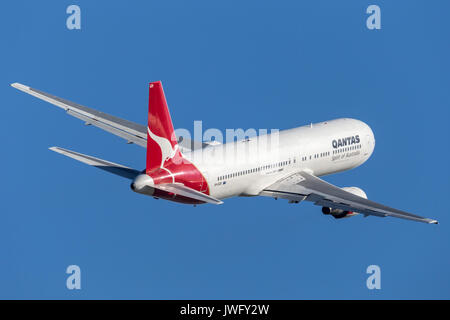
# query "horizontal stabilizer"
(182, 190)
(111, 167)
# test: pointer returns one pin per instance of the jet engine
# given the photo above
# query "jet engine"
(339, 213)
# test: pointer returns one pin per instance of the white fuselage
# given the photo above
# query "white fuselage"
(245, 168)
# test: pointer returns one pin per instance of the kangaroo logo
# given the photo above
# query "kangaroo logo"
(167, 152)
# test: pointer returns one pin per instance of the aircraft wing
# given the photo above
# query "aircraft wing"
(130, 131)
(304, 186)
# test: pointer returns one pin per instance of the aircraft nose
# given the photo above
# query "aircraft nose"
(372, 136)
(371, 139)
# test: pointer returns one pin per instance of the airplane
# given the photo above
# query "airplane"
(197, 172)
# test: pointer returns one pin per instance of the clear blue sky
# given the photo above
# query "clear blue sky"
(232, 65)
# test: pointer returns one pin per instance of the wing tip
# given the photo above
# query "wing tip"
(19, 86)
(58, 150)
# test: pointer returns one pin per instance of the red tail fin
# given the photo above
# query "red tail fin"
(161, 140)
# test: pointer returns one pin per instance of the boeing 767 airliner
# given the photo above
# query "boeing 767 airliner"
(197, 172)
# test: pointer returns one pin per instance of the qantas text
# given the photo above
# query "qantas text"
(345, 141)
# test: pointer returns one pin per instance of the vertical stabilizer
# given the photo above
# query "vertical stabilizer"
(161, 140)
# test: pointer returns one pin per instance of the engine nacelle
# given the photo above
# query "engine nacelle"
(339, 213)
